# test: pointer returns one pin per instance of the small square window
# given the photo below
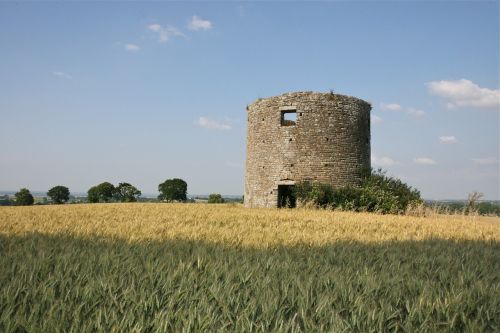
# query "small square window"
(288, 118)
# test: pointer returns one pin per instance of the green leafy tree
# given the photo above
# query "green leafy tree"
(173, 190)
(59, 194)
(101, 193)
(93, 195)
(126, 192)
(24, 197)
(215, 198)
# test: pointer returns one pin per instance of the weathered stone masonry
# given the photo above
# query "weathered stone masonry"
(329, 142)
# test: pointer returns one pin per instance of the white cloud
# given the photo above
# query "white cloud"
(165, 33)
(448, 139)
(383, 161)
(197, 23)
(376, 119)
(213, 124)
(415, 113)
(424, 161)
(155, 27)
(390, 107)
(62, 75)
(398, 108)
(465, 93)
(132, 47)
(486, 161)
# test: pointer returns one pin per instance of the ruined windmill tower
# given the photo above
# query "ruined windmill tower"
(304, 136)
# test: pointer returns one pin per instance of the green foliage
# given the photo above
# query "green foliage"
(59, 194)
(387, 194)
(6, 201)
(126, 192)
(489, 208)
(376, 193)
(101, 193)
(24, 198)
(93, 195)
(215, 198)
(173, 190)
(59, 283)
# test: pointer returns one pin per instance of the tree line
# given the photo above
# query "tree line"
(170, 190)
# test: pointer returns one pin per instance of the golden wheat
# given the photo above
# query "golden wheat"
(233, 224)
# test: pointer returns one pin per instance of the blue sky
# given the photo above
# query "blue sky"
(143, 92)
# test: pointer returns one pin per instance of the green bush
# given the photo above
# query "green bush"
(215, 198)
(377, 192)
(24, 197)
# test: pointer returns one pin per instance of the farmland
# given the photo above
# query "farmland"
(199, 267)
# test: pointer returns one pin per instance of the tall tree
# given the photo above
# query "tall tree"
(92, 195)
(173, 190)
(59, 194)
(101, 193)
(126, 192)
(24, 197)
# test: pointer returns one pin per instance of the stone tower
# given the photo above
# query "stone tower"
(304, 136)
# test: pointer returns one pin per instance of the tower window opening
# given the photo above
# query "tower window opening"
(288, 118)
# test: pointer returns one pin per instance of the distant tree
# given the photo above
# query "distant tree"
(24, 197)
(93, 195)
(215, 198)
(59, 194)
(472, 201)
(5, 200)
(126, 192)
(101, 193)
(173, 190)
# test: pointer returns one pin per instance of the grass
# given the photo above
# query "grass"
(195, 267)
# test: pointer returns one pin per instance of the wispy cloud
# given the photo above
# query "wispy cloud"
(390, 107)
(415, 112)
(62, 75)
(424, 161)
(398, 108)
(383, 161)
(376, 119)
(164, 34)
(197, 23)
(448, 139)
(213, 124)
(486, 161)
(132, 47)
(465, 93)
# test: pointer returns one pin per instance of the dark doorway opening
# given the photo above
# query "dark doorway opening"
(286, 196)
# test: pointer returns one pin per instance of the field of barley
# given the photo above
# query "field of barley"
(199, 267)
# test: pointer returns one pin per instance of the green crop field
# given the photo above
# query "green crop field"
(198, 267)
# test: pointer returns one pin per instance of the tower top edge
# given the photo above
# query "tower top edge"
(308, 95)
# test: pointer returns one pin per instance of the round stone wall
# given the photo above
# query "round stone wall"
(328, 142)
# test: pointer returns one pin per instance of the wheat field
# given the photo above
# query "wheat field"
(198, 267)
